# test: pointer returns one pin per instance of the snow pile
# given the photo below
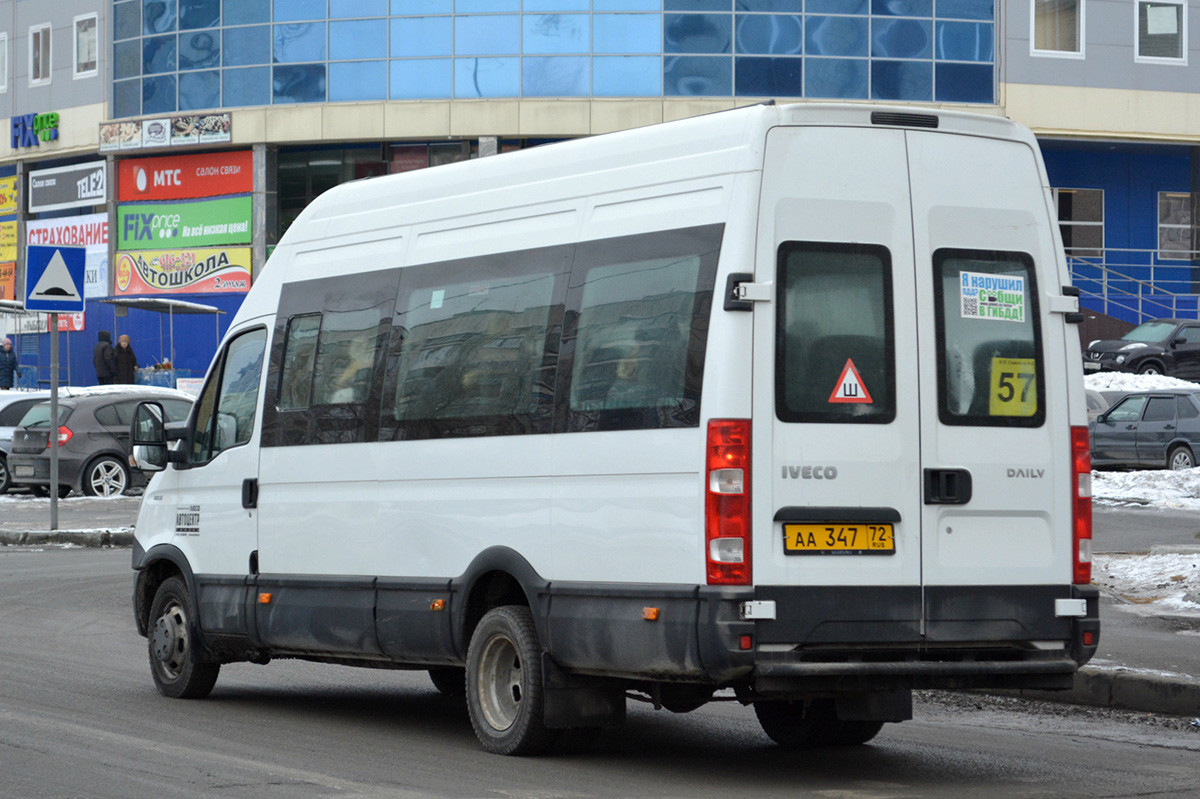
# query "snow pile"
(1121, 381)
(1169, 582)
(1159, 488)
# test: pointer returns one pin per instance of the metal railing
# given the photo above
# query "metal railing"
(1136, 285)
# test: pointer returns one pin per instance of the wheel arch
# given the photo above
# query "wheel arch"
(498, 576)
(1181, 443)
(154, 567)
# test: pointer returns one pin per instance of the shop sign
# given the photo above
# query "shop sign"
(200, 271)
(199, 223)
(67, 323)
(8, 195)
(89, 232)
(74, 186)
(8, 280)
(175, 131)
(8, 241)
(185, 177)
(30, 130)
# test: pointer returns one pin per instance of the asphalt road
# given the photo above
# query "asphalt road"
(1136, 529)
(79, 717)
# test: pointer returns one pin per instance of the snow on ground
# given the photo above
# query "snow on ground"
(1121, 381)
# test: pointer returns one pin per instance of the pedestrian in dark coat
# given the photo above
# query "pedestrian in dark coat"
(104, 359)
(126, 361)
(9, 371)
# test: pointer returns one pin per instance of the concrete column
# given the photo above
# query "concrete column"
(265, 206)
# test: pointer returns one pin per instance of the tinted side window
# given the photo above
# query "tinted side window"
(226, 416)
(1160, 409)
(347, 347)
(107, 416)
(834, 350)
(299, 355)
(1128, 410)
(11, 414)
(1190, 334)
(636, 329)
(990, 370)
(176, 410)
(474, 346)
(1186, 408)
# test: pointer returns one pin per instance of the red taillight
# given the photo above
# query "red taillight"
(727, 502)
(64, 435)
(1081, 510)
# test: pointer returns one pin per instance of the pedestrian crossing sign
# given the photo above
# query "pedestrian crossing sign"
(54, 278)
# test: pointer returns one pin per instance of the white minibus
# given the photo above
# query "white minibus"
(780, 405)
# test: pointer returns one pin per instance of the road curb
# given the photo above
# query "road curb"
(113, 537)
(1177, 695)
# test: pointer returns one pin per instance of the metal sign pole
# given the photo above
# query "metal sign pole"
(53, 442)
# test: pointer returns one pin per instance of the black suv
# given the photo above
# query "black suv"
(1158, 347)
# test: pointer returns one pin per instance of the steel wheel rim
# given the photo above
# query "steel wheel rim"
(500, 688)
(169, 641)
(3, 474)
(107, 479)
(1181, 460)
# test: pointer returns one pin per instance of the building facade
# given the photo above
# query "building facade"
(217, 121)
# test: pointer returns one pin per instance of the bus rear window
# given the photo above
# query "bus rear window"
(990, 369)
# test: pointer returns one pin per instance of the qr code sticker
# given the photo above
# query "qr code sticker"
(970, 306)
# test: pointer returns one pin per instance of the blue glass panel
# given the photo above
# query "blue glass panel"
(627, 76)
(965, 9)
(697, 5)
(784, 6)
(555, 33)
(556, 76)
(199, 90)
(417, 36)
(364, 38)
(487, 77)
(158, 94)
(422, 79)
(487, 35)
(768, 77)
(534, 6)
(158, 16)
(127, 59)
(245, 46)
(299, 42)
(195, 14)
(902, 8)
(964, 41)
(127, 99)
(837, 36)
(901, 80)
(339, 9)
(246, 12)
(835, 77)
(486, 6)
(158, 55)
(295, 10)
(836, 6)
(303, 83)
(965, 83)
(626, 5)
(357, 80)
(902, 38)
(127, 21)
(773, 34)
(197, 50)
(691, 76)
(422, 6)
(697, 33)
(246, 86)
(626, 33)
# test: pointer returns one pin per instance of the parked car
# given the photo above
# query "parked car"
(1097, 404)
(93, 436)
(1148, 430)
(1158, 347)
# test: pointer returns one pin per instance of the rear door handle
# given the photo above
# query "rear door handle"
(947, 486)
(250, 493)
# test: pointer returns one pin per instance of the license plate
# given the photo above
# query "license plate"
(1091, 367)
(22, 471)
(838, 538)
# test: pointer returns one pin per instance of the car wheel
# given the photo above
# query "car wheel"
(1180, 457)
(175, 660)
(449, 680)
(105, 477)
(809, 724)
(5, 477)
(504, 684)
(1150, 369)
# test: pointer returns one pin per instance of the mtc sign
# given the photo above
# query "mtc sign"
(185, 177)
(30, 130)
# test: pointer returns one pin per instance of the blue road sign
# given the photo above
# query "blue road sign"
(54, 278)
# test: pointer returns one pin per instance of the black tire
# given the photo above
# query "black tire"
(1151, 368)
(105, 477)
(5, 477)
(175, 661)
(504, 684)
(449, 680)
(1179, 458)
(44, 491)
(798, 725)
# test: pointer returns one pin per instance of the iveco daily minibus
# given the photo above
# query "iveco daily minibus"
(781, 404)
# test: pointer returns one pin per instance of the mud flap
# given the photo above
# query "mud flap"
(573, 701)
(875, 706)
